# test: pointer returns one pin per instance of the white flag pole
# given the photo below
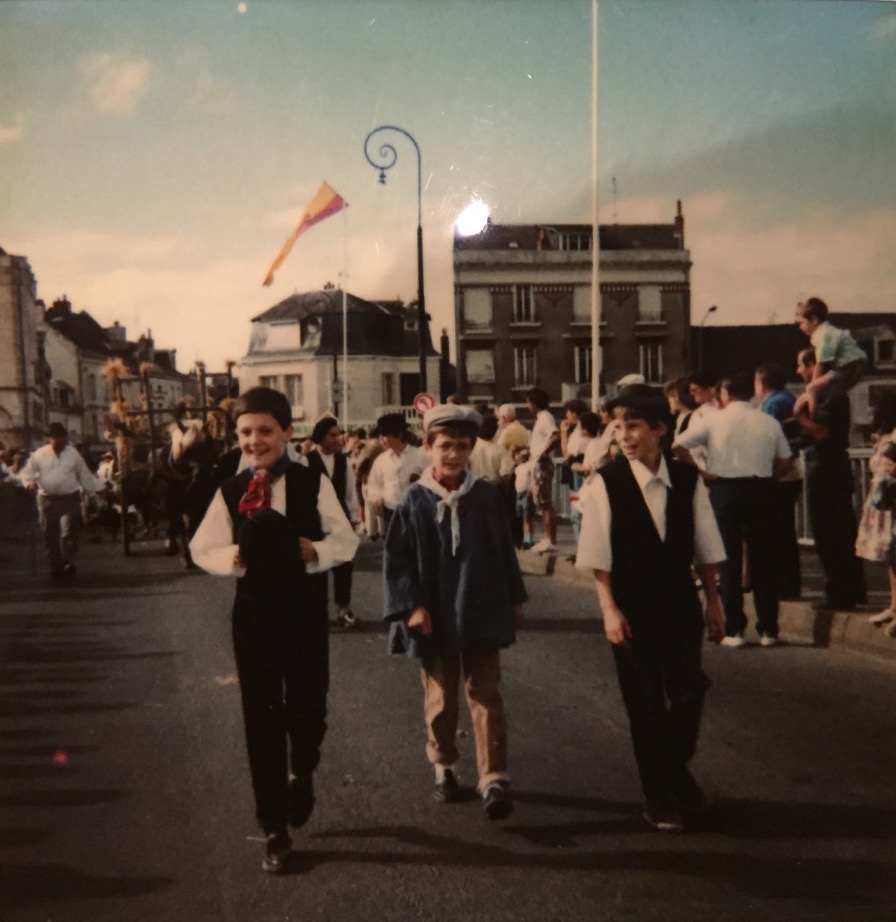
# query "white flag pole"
(596, 362)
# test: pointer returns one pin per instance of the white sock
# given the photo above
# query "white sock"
(440, 771)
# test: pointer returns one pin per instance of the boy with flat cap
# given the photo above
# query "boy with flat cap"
(645, 519)
(453, 593)
(277, 527)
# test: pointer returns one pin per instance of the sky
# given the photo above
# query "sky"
(155, 154)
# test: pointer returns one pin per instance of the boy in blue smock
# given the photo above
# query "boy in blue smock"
(453, 593)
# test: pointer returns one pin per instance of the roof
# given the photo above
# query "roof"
(329, 301)
(79, 328)
(546, 237)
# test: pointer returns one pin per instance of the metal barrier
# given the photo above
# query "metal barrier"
(861, 476)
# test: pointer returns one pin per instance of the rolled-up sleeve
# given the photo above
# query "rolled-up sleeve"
(212, 547)
(594, 551)
(340, 541)
(708, 545)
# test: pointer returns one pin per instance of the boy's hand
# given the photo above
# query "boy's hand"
(616, 627)
(419, 620)
(307, 550)
(518, 615)
(715, 622)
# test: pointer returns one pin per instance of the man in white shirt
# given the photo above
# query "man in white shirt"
(545, 437)
(395, 469)
(745, 451)
(59, 476)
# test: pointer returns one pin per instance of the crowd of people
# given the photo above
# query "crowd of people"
(682, 500)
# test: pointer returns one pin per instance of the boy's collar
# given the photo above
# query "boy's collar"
(278, 467)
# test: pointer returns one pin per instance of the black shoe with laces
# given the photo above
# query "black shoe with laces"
(497, 801)
(277, 848)
(446, 791)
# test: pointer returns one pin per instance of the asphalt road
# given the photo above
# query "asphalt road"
(125, 792)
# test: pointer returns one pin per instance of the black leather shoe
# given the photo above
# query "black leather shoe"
(301, 799)
(446, 791)
(663, 815)
(496, 801)
(277, 849)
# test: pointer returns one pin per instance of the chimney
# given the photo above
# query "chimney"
(117, 333)
(678, 233)
(62, 307)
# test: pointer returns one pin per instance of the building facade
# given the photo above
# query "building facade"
(22, 369)
(297, 347)
(523, 308)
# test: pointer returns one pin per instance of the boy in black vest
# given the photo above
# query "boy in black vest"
(646, 519)
(278, 527)
(330, 460)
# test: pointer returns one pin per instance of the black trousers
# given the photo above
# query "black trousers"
(663, 688)
(829, 489)
(342, 584)
(789, 578)
(282, 659)
(744, 512)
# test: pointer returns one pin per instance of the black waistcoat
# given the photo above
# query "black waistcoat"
(302, 485)
(651, 579)
(340, 474)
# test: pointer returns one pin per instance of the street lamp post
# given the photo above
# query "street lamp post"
(386, 158)
(709, 310)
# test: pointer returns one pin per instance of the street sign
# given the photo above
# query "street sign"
(424, 402)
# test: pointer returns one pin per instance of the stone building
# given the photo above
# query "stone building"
(523, 307)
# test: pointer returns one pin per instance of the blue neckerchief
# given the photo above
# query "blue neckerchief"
(278, 467)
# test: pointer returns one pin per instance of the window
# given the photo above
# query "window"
(477, 309)
(294, 391)
(581, 304)
(650, 304)
(523, 304)
(581, 364)
(91, 388)
(652, 362)
(271, 381)
(388, 389)
(575, 241)
(281, 337)
(884, 349)
(524, 366)
(480, 366)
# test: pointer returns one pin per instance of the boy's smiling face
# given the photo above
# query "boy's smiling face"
(638, 441)
(450, 456)
(262, 438)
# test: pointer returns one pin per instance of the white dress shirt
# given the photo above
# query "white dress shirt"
(213, 549)
(544, 428)
(58, 475)
(595, 552)
(390, 475)
(740, 441)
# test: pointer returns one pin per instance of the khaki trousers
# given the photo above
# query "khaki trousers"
(481, 670)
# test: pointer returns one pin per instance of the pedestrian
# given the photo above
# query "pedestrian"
(745, 451)
(277, 527)
(489, 459)
(453, 594)
(331, 461)
(839, 359)
(769, 388)
(395, 469)
(681, 404)
(525, 506)
(511, 432)
(646, 519)
(829, 492)
(545, 437)
(61, 479)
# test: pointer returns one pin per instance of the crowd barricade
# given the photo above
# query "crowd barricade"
(858, 458)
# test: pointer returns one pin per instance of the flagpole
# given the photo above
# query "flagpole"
(596, 363)
(345, 416)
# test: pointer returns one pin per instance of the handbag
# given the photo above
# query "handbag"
(874, 538)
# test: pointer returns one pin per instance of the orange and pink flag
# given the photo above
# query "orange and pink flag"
(327, 202)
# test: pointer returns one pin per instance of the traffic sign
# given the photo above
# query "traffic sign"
(424, 402)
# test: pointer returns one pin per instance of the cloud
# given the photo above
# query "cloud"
(12, 132)
(114, 85)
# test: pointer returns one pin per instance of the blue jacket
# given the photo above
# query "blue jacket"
(470, 596)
